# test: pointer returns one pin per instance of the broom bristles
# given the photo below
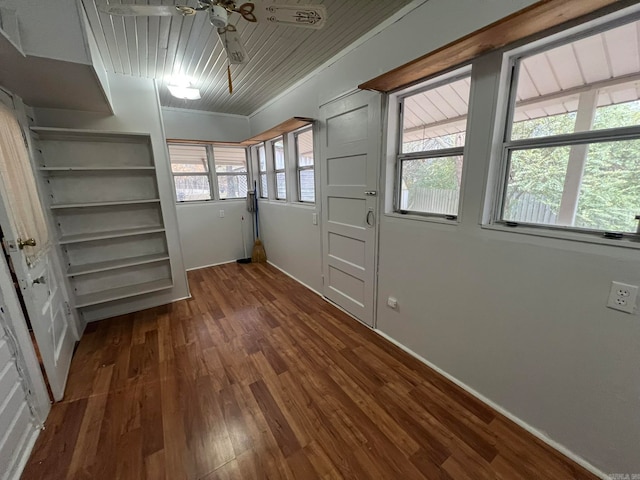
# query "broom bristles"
(258, 255)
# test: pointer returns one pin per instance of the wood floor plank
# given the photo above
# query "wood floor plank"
(256, 377)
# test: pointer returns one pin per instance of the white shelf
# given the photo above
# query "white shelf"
(104, 184)
(88, 237)
(70, 134)
(122, 292)
(103, 204)
(115, 264)
(94, 169)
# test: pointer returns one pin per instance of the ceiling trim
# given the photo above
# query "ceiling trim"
(524, 23)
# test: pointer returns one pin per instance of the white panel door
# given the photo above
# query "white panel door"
(46, 305)
(350, 156)
(18, 425)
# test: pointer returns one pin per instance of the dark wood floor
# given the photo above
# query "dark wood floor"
(256, 377)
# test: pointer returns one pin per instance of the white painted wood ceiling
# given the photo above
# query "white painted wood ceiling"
(160, 47)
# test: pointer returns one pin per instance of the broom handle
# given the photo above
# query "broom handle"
(255, 196)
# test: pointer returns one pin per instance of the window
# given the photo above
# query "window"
(279, 168)
(571, 153)
(231, 171)
(305, 165)
(262, 168)
(190, 168)
(433, 131)
(193, 177)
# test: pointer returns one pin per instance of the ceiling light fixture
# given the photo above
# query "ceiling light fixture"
(181, 88)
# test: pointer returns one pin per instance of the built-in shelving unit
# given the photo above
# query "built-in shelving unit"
(103, 195)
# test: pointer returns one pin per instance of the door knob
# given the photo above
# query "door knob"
(29, 242)
(40, 280)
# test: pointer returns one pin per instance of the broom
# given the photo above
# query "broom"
(258, 255)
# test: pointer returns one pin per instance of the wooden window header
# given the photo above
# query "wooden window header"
(287, 126)
(534, 19)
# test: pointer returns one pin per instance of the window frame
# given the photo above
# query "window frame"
(512, 61)
(217, 174)
(207, 174)
(211, 173)
(276, 171)
(440, 80)
(261, 191)
(299, 168)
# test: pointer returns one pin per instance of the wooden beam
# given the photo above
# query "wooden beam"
(285, 127)
(524, 23)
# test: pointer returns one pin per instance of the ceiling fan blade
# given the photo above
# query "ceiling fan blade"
(146, 10)
(309, 16)
(232, 45)
(246, 10)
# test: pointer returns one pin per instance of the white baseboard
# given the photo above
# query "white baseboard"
(536, 433)
(212, 265)
(296, 279)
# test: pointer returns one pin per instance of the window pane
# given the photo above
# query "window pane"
(232, 186)
(304, 143)
(281, 186)
(188, 158)
(192, 187)
(436, 118)
(587, 76)
(431, 185)
(278, 154)
(228, 159)
(307, 186)
(608, 197)
(262, 159)
(264, 189)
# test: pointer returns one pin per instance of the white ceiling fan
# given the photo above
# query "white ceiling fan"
(219, 11)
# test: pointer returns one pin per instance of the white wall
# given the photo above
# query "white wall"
(136, 109)
(206, 237)
(291, 240)
(520, 319)
(186, 124)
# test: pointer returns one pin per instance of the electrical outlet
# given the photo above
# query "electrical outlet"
(623, 297)
(221, 213)
(392, 302)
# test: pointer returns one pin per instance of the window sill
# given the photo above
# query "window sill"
(423, 218)
(564, 235)
(214, 202)
(283, 203)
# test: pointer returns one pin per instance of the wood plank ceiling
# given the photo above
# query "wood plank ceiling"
(161, 47)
